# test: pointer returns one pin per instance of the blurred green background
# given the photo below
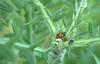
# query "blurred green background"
(27, 24)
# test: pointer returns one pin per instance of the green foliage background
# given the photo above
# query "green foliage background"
(27, 24)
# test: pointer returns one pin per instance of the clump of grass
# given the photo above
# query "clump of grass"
(28, 31)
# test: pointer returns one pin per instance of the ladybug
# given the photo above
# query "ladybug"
(60, 36)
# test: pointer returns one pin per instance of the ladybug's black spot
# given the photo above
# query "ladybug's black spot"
(71, 41)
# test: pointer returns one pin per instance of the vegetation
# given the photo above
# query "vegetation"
(28, 31)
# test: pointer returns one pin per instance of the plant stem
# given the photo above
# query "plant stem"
(42, 8)
(94, 56)
(74, 20)
(30, 26)
(88, 40)
(78, 11)
(85, 42)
